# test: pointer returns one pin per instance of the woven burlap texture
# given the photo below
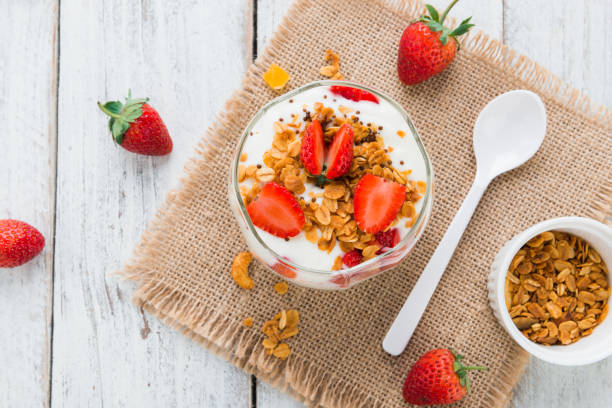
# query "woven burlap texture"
(182, 265)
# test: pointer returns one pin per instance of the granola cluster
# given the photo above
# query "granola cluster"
(557, 289)
(281, 327)
(332, 70)
(329, 213)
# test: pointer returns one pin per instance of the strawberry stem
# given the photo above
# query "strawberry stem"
(450, 6)
(462, 370)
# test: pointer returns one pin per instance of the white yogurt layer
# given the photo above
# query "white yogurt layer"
(405, 149)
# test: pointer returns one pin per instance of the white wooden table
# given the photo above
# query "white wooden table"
(70, 336)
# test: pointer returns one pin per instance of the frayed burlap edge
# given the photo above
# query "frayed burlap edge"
(229, 338)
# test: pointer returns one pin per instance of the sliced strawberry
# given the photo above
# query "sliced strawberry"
(341, 280)
(340, 154)
(276, 211)
(284, 270)
(389, 238)
(313, 148)
(352, 258)
(377, 201)
(354, 94)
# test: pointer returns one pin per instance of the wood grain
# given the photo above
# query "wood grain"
(28, 62)
(188, 57)
(571, 38)
(487, 15)
(574, 41)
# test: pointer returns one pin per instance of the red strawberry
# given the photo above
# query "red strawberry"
(19, 243)
(354, 94)
(352, 258)
(424, 49)
(389, 238)
(438, 377)
(137, 127)
(313, 148)
(276, 211)
(340, 154)
(377, 201)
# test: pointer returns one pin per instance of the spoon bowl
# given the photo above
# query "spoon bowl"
(508, 131)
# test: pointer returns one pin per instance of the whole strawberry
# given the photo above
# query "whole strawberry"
(137, 127)
(19, 243)
(438, 378)
(425, 49)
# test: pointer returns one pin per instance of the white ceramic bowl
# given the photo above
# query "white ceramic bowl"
(588, 350)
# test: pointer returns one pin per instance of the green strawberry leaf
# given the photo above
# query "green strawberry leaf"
(435, 26)
(467, 20)
(114, 106)
(118, 130)
(462, 29)
(444, 36)
(110, 126)
(132, 115)
(433, 12)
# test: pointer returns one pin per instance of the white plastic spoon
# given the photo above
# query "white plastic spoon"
(508, 131)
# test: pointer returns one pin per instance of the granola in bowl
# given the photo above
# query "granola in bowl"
(328, 178)
(557, 289)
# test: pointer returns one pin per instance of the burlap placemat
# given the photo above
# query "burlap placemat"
(182, 264)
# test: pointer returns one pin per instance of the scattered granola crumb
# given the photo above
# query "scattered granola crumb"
(331, 70)
(281, 288)
(248, 322)
(243, 157)
(240, 270)
(276, 77)
(282, 326)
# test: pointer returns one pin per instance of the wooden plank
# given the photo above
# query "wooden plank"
(188, 57)
(486, 13)
(572, 39)
(27, 175)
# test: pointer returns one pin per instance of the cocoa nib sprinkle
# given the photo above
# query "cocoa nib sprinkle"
(371, 137)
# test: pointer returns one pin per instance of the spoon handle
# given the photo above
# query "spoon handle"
(408, 318)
